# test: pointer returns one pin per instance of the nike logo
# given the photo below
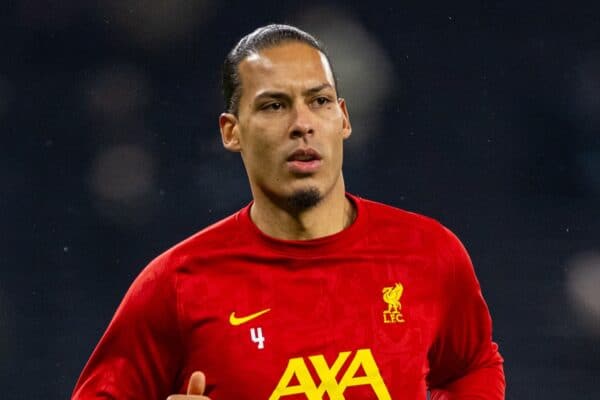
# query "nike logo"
(235, 321)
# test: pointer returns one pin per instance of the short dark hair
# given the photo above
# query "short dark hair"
(262, 38)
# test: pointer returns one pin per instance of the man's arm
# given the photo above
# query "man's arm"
(139, 355)
(464, 361)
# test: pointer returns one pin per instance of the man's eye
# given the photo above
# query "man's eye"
(273, 106)
(321, 101)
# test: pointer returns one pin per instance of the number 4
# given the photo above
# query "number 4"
(257, 337)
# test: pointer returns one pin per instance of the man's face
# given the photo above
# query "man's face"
(290, 126)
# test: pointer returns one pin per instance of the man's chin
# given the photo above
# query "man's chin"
(304, 199)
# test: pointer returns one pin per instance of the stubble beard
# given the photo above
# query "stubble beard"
(304, 199)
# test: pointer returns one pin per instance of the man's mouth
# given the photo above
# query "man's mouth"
(304, 155)
(304, 161)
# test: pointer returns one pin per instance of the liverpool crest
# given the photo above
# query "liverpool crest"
(392, 295)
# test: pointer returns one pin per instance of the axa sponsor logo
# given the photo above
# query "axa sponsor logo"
(297, 379)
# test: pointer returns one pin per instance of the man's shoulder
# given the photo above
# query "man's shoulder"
(384, 215)
(219, 234)
(393, 225)
(216, 237)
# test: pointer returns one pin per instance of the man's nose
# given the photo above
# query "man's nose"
(302, 121)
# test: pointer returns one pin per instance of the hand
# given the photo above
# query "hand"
(195, 388)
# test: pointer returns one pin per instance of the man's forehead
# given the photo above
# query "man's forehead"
(292, 59)
(287, 51)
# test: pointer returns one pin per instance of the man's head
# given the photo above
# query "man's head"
(285, 118)
(263, 37)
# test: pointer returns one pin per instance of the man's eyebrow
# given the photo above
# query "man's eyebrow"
(271, 95)
(317, 89)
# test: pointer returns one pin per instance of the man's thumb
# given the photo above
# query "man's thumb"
(197, 383)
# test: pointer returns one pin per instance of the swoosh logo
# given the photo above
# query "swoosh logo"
(235, 321)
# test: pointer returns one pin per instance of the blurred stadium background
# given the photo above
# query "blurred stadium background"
(485, 117)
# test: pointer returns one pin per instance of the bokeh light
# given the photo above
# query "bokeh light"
(586, 106)
(114, 93)
(156, 23)
(122, 178)
(587, 90)
(583, 287)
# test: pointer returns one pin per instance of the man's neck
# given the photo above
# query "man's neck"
(331, 215)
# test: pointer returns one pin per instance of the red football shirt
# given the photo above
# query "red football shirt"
(381, 310)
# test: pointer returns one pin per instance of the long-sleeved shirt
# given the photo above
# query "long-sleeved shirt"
(385, 309)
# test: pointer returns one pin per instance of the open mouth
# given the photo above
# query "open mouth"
(304, 161)
(304, 155)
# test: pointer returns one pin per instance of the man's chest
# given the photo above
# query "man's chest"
(349, 328)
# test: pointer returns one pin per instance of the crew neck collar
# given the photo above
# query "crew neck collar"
(311, 247)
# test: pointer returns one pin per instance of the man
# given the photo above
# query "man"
(309, 292)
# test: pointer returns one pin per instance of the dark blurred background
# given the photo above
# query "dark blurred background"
(484, 117)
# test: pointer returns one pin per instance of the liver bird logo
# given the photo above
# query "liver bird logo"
(391, 295)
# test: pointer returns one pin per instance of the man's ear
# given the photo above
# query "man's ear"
(346, 127)
(228, 123)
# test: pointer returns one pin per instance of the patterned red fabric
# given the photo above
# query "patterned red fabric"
(381, 310)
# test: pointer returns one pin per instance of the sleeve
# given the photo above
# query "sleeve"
(139, 355)
(464, 361)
